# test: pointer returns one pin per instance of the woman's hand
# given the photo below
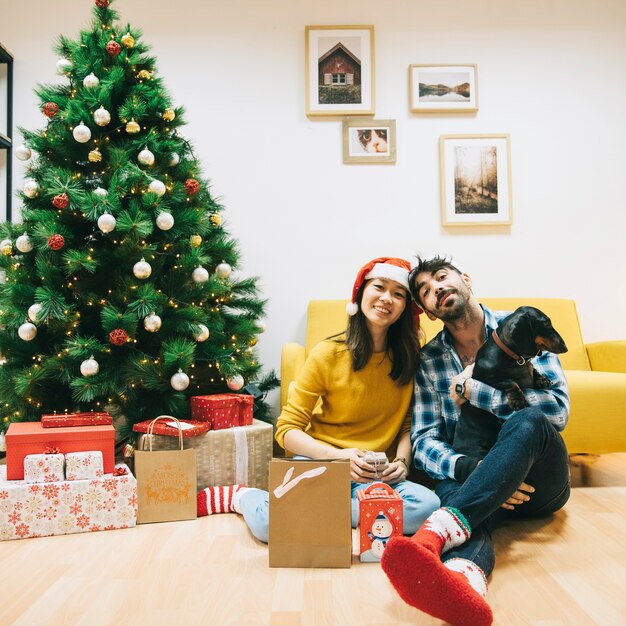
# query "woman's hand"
(360, 470)
(395, 472)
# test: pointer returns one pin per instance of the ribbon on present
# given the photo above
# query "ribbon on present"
(120, 470)
(52, 450)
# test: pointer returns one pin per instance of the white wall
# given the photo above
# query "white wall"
(550, 73)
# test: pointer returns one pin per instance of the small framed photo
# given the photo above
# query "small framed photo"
(339, 70)
(443, 88)
(369, 141)
(475, 180)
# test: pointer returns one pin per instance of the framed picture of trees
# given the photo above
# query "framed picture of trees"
(475, 175)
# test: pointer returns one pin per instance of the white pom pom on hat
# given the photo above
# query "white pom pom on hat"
(382, 267)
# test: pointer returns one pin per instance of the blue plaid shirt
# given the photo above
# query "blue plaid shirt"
(435, 415)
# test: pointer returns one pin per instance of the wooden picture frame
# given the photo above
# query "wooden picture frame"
(475, 174)
(339, 68)
(369, 141)
(443, 88)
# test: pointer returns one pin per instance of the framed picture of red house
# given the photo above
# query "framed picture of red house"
(339, 70)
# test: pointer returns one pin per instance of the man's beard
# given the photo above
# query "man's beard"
(457, 310)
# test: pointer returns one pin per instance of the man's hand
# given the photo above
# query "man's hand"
(520, 496)
(466, 373)
(360, 470)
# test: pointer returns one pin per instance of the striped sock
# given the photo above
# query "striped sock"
(218, 499)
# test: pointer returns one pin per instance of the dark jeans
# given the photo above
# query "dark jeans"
(528, 449)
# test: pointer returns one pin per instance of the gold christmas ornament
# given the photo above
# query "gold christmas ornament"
(6, 247)
(128, 41)
(215, 219)
(144, 74)
(168, 115)
(195, 241)
(252, 342)
(132, 127)
(95, 156)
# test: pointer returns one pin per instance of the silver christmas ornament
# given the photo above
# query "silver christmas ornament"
(142, 269)
(223, 270)
(90, 81)
(106, 223)
(145, 157)
(156, 186)
(99, 191)
(23, 153)
(165, 221)
(202, 335)
(33, 312)
(64, 66)
(200, 275)
(27, 331)
(81, 133)
(30, 188)
(89, 367)
(23, 243)
(152, 323)
(235, 383)
(101, 116)
(174, 159)
(261, 326)
(180, 381)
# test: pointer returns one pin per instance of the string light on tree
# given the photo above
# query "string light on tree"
(152, 323)
(200, 275)
(164, 220)
(23, 152)
(89, 367)
(142, 269)
(145, 157)
(101, 116)
(179, 381)
(27, 331)
(202, 334)
(33, 312)
(235, 383)
(81, 133)
(91, 81)
(106, 223)
(23, 243)
(30, 188)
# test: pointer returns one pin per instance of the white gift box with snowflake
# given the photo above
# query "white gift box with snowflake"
(83, 465)
(43, 468)
(69, 506)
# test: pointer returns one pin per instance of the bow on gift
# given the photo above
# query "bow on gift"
(52, 450)
(120, 470)
(288, 484)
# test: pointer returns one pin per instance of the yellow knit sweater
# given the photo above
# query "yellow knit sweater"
(364, 409)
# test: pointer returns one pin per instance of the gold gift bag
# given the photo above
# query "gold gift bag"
(310, 514)
(166, 481)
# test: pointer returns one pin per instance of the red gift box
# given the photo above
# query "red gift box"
(76, 419)
(380, 514)
(163, 428)
(223, 410)
(24, 438)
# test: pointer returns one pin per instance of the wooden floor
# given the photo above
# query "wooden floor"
(567, 570)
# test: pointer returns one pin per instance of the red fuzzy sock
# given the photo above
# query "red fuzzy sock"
(423, 581)
(218, 499)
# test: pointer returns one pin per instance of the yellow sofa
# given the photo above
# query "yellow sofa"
(596, 373)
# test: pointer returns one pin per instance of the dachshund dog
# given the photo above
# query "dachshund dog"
(503, 362)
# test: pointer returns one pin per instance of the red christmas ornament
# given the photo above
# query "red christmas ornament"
(103, 4)
(113, 48)
(118, 337)
(192, 186)
(56, 242)
(50, 109)
(60, 201)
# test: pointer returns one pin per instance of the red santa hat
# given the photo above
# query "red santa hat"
(382, 267)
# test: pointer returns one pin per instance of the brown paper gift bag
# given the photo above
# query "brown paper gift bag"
(310, 514)
(166, 481)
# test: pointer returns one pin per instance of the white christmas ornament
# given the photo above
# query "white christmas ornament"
(180, 381)
(99, 191)
(174, 159)
(152, 323)
(91, 80)
(165, 221)
(145, 157)
(30, 188)
(81, 133)
(89, 367)
(33, 312)
(23, 243)
(142, 269)
(202, 335)
(200, 275)
(235, 382)
(23, 153)
(106, 223)
(27, 331)
(223, 270)
(64, 66)
(101, 116)
(156, 186)
(261, 326)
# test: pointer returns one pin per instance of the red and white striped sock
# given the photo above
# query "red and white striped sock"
(218, 499)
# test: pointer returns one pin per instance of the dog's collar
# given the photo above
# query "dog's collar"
(520, 360)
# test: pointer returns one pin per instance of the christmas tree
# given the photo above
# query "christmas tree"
(118, 290)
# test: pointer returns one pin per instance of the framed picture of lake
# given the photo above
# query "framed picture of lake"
(443, 88)
(475, 175)
(339, 70)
